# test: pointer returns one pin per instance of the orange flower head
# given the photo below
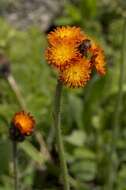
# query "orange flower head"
(67, 33)
(77, 74)
(24, 123)
(98, 60)
(62, 55)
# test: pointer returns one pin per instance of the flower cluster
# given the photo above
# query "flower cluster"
(74, 55)
(22, 125)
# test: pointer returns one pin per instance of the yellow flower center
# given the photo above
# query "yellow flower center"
(62, 55)
(77, 74)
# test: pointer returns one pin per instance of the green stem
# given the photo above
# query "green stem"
(57, 107)
(118, 108)
(15, 165)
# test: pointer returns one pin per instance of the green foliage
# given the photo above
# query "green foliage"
(87, 114)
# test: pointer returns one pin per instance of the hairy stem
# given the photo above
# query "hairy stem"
(15, 165)
(57, 108)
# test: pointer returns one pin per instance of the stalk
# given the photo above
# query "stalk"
(57, 120)
(14, 144)
(14, 86)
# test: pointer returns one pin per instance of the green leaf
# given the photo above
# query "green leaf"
(84, 153)
(77, 138)
(32, 152)
(84, 170)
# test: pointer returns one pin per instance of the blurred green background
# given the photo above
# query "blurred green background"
(95, 151)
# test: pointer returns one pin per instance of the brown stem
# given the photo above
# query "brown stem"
(13, 84)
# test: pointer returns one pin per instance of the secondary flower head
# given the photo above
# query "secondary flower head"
(24, 122)
(22, 125)
(62, 54)
(77, 74)
(67, 33)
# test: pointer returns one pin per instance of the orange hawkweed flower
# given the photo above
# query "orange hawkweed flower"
(71, 34)
(75, 55)
(24, 123)
(77, 74)
(62, 55)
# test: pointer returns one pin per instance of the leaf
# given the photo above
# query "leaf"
(84, 153)
(84, 170)
(77, 138)
(75, 104)
(32, 152)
